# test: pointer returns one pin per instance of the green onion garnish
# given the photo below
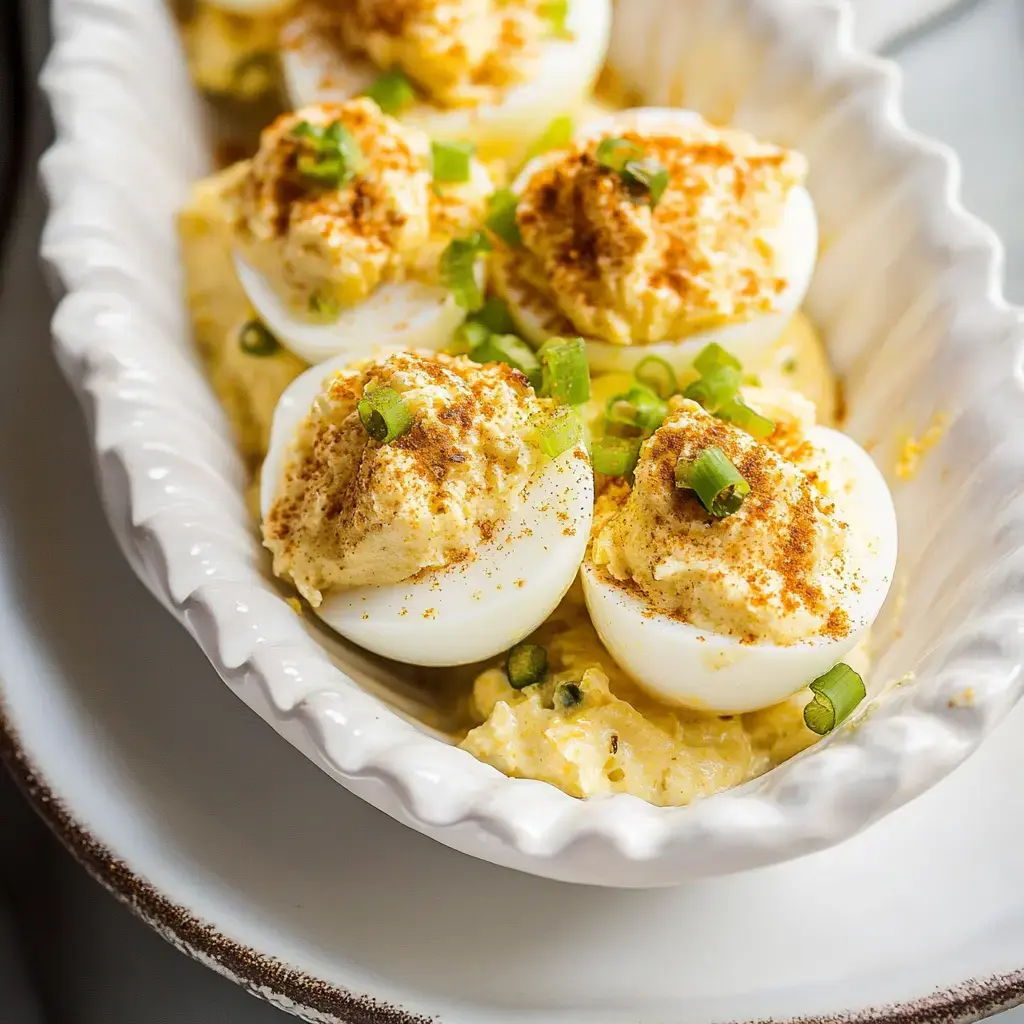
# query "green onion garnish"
(568, 695)
(452, 161)
(458, 269)
(566, 372)
(494, 315)
(384, 414)
(713, 356)
(526, 664)
(615, 456)
(255, 340)
(616, 153)
(335, 157)
(836, 694)
(557, 135)
(718, 484)
(739, 413)
(560, 431)
(323, 306)
(718, 390)
(469, 335)
(501, 216)
(645, 180)
(507, 348)
(715, 390)
(392, 92)
(639, 407)
(557, 12)
(657, 374)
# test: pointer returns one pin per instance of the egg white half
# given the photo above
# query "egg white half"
(795, 240)
(698, 668)
(474, 610)
(565, 73)
(403, 314)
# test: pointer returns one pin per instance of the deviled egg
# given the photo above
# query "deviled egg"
(495, 72)
(354, 233)
(736, 570)
(430, 509)
(653, 233)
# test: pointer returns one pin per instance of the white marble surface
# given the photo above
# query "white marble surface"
(87, 960)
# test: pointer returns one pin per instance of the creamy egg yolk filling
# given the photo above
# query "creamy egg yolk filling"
(340, 199)
(589, 729)
(457, 52)
(774, 571)
(610, 266)
(351, 511)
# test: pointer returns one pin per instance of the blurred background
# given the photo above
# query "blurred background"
(68, 951)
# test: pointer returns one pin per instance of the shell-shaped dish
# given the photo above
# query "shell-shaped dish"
(907, 292)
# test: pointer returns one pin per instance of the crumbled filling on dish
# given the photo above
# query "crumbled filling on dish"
(775, 570)
(617, 739)
(351, 511)
(458, 52)
(628, 272)
(339, 200)
(232, 54)
(248, 380)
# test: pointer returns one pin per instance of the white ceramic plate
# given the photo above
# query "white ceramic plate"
(245, 855)
(907, 292)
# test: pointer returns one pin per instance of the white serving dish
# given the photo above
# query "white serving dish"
(907, 292)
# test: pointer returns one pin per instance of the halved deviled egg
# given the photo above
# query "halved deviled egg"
(495, 72)
(736, 571)
(654, 233)
(430, 509)
(354, 233)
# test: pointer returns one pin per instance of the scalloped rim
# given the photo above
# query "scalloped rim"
(182, 538)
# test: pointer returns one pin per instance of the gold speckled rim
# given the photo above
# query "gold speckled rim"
(267, 977)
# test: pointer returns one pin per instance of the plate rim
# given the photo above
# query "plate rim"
(297, 992)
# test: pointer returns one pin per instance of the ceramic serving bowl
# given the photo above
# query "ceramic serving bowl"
(907, 293)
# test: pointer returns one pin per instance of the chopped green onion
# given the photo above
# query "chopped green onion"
(566, 372)
(836, 694)
(562, 430)
(716, 389)
(616, 153)
(712, 357)
(255, 340)
(384, 414)
(526, 664)
(324, 307)
(452, 161)
(501, 216)
(615, 456)
(557, 12)
(494, 315)
(718, 484)
(469, 335)
(639, 407)
(657, 374)
(507, 348)
(568, 695)
(646, 180)
(458, 269)
(392, 92)
(335, 157)
(741, 415)
(557, 135)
